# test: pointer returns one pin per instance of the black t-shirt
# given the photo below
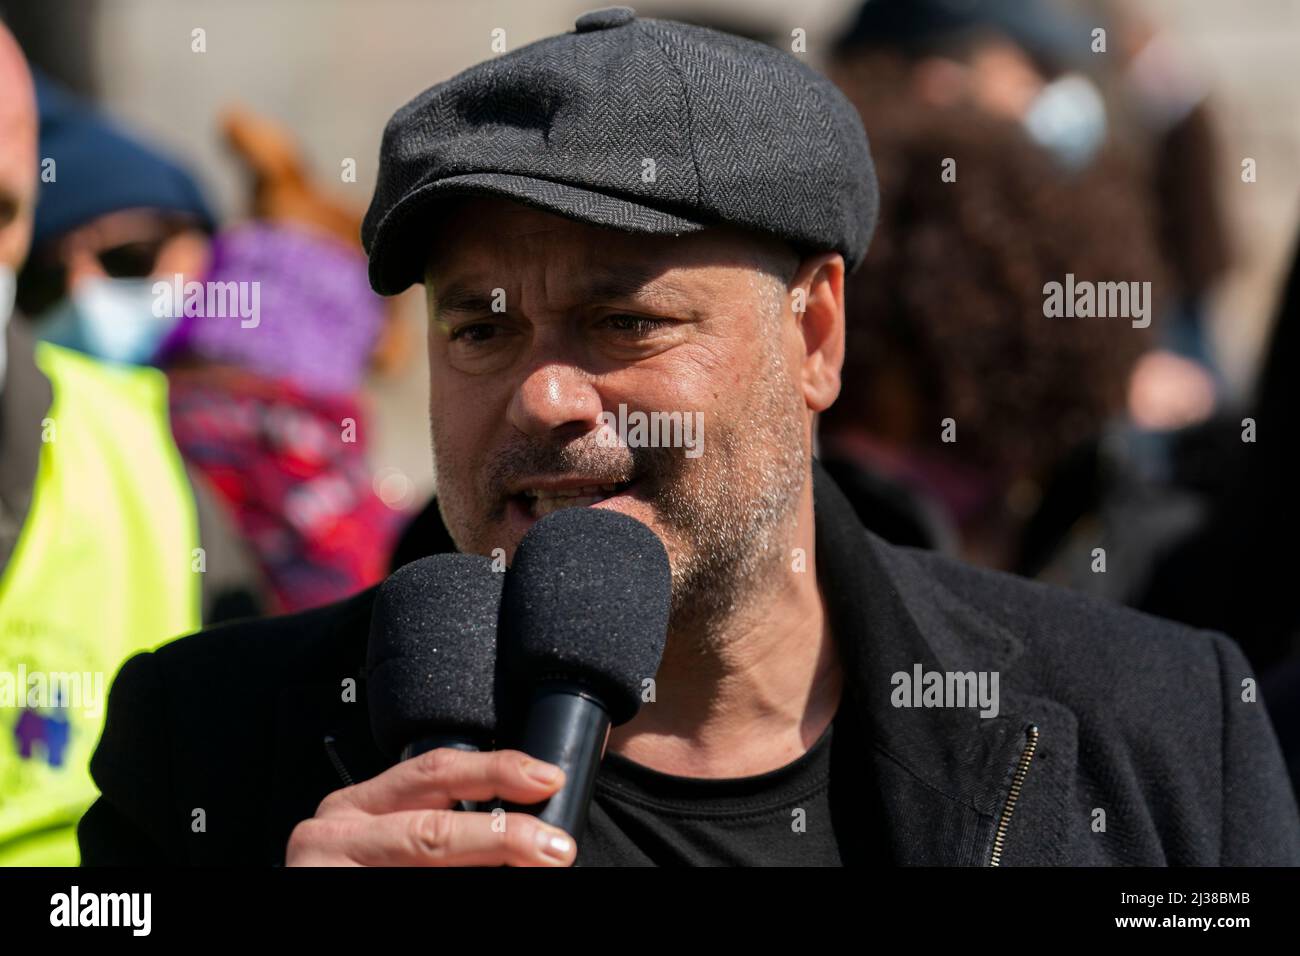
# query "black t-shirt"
(807, 813)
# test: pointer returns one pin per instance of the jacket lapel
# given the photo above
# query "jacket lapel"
(942, 774)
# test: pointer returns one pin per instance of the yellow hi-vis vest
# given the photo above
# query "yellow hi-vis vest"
(104, 567)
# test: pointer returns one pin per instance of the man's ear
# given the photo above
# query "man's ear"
(817, 301)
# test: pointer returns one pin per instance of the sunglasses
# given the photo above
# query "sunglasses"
(131, 260)
(44, 280)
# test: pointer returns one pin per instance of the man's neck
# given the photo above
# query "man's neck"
(759, 692)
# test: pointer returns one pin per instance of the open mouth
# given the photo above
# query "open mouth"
(539, 502)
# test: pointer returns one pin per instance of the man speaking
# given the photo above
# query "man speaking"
(641, 216)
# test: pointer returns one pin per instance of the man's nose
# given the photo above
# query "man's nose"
(555, 396)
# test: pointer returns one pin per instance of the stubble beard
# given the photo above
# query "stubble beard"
(738, 515)
(727, 517)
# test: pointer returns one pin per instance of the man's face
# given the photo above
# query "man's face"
(132, 244)
(17, 153)
(129, 244)
(590, 319)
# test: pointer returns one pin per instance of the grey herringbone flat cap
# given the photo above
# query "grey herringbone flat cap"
(643, 125)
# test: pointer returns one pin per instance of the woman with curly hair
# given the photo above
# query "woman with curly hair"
(957, 381)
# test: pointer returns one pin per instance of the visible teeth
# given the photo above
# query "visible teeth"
(544, 506)
(543, 501)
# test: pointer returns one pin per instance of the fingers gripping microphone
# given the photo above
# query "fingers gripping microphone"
(584, 618)
(432, 656)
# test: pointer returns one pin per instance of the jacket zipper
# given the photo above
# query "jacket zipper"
(1017, 781)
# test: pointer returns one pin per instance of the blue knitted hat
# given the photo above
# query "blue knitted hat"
(100, 169)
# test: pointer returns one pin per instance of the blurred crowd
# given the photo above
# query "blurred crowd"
(139, 445)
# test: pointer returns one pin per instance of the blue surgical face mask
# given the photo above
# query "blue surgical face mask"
(112, 319)
(1068, 118)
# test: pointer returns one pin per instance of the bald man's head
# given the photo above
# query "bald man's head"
(18, 144)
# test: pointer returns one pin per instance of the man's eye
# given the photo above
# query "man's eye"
(635, 324)
(474, 332)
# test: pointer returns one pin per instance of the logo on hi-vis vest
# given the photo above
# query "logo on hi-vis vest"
(42, 736)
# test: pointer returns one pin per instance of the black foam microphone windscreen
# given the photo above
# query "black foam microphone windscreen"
(584, 619)
(431, 659)
(586, 601)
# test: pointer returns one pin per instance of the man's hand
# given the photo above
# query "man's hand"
(405, 816)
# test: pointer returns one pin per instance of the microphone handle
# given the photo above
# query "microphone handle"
(433, 742)
(566, 726)
(425, 744)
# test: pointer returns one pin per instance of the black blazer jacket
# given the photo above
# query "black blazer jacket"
(217, 744)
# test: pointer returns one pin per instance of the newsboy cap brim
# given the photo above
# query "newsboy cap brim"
(404, 237)
(638, 125)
